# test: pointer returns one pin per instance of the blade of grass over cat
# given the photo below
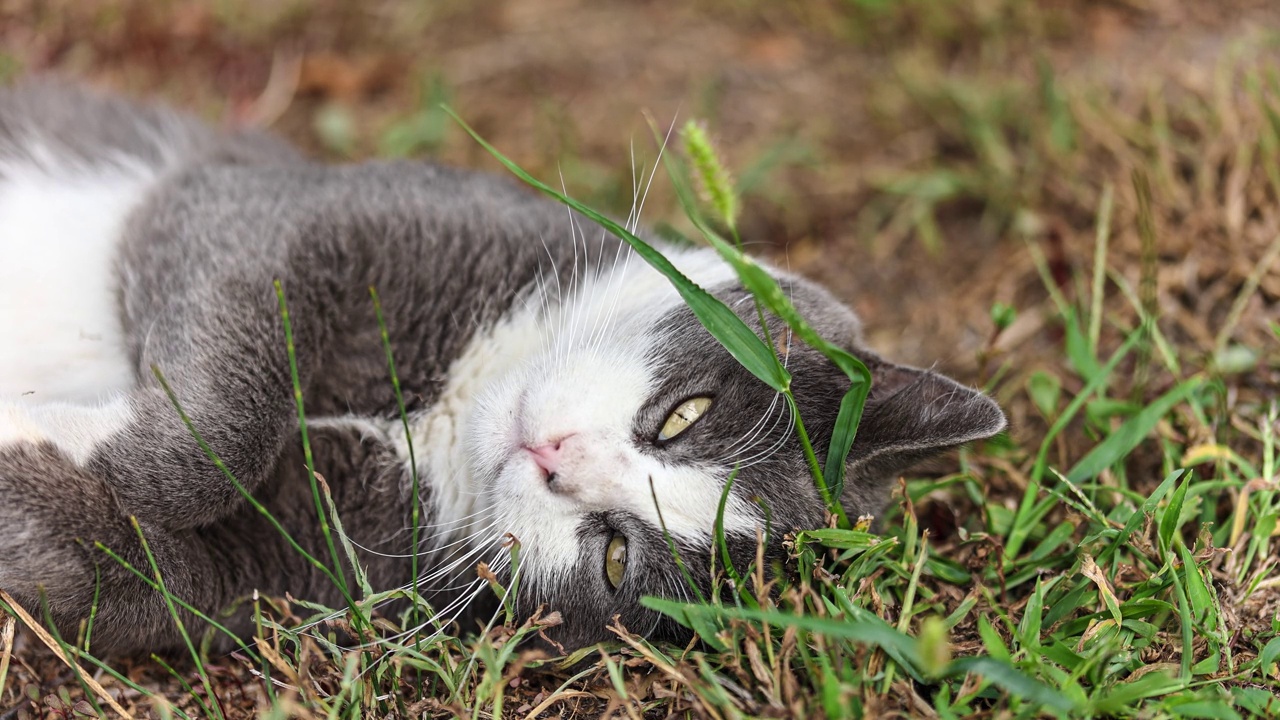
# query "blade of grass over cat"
(177, 621)
(69, 655)
(671, 544)
(244, 647)
(768, 293)
(338, 573)
(93, 610)
(408, 438)
(722, 543)
(715, 316)
(244, 492)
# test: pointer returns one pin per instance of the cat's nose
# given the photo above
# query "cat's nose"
(548, 456)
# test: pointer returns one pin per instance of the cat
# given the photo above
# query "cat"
(555, 387)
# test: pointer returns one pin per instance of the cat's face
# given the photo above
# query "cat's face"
(631, 421)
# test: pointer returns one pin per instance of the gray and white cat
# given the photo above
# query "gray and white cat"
(552, 379)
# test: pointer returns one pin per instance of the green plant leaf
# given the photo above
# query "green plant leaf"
(1270, 652)
(1172, 513)
(770, 295)
(1044, 389)
(1121, 442)
(1012, 680)
(899, 646)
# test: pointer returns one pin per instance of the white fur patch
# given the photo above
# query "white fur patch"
(76, 430)
(60, 332)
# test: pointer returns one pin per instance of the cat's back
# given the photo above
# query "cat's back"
(74, 165)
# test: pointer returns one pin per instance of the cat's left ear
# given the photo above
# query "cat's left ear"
(910, 415)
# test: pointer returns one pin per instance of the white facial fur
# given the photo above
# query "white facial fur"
(585, 387)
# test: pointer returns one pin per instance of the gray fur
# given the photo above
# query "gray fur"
(451, 253)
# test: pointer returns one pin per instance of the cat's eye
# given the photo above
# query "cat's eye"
(615, 560)
(686, 414)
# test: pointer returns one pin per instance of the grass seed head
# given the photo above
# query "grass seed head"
(713, 179)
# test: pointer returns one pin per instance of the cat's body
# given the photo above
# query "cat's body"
(538, 361)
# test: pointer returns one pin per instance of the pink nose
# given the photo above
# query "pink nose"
(549, 456)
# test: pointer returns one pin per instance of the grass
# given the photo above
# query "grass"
(1113, 557)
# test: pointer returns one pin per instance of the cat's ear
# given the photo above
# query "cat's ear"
(910, 415)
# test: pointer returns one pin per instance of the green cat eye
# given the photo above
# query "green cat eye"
(615, 560)
(683, 416)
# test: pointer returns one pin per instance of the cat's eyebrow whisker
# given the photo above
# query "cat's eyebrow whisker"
(560, 298)
(656, 164)
(575, 283)
(743, 463)
(546, 340)
(749, 437)
(747, 461)
(594, 314)
(754, 437)
(761, 457)
(616, 289)
(635, 189)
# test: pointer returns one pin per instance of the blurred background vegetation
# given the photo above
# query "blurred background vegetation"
(951, 168)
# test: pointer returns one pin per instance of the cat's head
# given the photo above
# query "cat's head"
(633, 417)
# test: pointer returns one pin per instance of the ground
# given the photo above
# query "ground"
(949, 168)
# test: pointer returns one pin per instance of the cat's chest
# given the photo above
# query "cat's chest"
(60, 225)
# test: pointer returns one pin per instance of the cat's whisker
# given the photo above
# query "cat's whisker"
(748, 438)
(656, 164)
(467, 519)
(483, 532)
(616, 290)
(443, 617)
(459, 605)
(743, 463)
(753, 437)
(761, 457)
(453, 565)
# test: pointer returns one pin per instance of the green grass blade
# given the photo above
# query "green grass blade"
(1013, 681)
(723, 324)
(1121, 442)
(877, 634)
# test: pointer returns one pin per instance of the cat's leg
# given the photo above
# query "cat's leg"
(57, 518)
(223, 352)
(52, 515)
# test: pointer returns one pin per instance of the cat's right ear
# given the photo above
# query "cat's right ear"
(910, 415)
